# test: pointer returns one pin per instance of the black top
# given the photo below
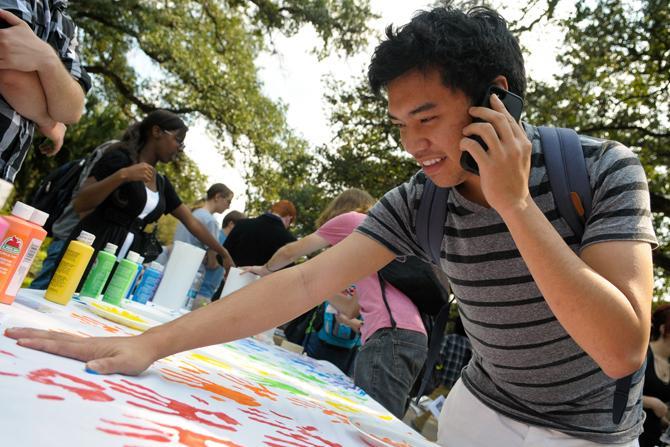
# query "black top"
(254, 241)
(118, 214)
(653, 386)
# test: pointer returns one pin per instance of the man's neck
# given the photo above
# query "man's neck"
(209, 206)
(660, 348)
(471, 189)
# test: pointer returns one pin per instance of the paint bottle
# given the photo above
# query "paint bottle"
(14, 244)
(38, 218)
(102, 268)
(149, 283)
(70, 269)
(122, 279)
(133, 285)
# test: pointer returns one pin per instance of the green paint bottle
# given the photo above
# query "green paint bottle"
(122, 280)
(97, 277)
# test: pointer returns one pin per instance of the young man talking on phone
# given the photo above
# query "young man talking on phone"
(553, 320)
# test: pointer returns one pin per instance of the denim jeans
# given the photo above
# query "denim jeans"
(49, 265)
(388, 364)
(341, 357)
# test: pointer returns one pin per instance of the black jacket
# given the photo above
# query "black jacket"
(254, 241)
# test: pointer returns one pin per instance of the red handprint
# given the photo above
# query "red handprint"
(160, 404)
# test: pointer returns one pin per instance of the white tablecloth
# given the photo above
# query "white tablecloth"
(244, 393)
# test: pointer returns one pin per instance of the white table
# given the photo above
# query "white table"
(244, 393)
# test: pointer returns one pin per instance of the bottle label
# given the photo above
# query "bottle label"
(24, 267)
(12, 245)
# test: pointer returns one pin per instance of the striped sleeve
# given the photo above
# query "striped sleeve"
(391, 221)
(64, 39)
(621, 204)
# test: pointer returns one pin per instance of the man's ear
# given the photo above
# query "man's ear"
(500, 81)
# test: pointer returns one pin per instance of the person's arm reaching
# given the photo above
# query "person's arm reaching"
(346, 305)
(246, 312)
(22, 50)
(289, 253)
(200, 231)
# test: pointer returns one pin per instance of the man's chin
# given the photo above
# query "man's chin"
(445, 181)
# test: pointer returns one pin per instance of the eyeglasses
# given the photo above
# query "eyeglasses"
(179, 141)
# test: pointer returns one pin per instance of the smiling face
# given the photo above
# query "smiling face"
(431, 118)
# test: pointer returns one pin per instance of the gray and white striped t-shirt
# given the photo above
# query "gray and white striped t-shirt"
(524, 364)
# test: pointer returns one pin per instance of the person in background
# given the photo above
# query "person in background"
(217, 201)
(214, 278)
(253, 241)
(340, 353)
(455, 353)
(68, 220)
(656, 390)
(394, 342)
(124, 192)
(42, 81)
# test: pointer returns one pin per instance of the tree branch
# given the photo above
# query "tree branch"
(644, 130)
(127, 92)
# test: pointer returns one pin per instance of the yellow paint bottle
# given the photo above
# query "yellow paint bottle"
(70, 269)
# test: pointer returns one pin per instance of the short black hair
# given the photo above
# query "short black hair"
(469, 49)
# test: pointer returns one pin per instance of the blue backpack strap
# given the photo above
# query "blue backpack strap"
(568, 176)
(430, 219)
(569, 180)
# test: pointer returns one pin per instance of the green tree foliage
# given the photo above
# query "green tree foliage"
(202, 56)
(366, 152)
(615, 84)
(198, 58)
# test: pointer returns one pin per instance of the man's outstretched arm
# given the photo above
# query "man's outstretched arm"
(246, 312)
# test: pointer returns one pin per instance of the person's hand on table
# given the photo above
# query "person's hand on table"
(103, 355)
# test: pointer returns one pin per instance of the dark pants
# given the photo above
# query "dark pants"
(388, 364)
(343, 358)
(49, 264)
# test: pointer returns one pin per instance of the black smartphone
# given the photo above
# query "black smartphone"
(514, 105)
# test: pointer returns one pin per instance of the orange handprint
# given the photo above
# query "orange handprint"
(158, 403)
(201, 383)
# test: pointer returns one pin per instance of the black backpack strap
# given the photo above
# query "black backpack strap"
(569, 180)
(434, 345)
(621, 398)
(430, 219)
(382, 284)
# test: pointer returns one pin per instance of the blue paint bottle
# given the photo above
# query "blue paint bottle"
(149, 283)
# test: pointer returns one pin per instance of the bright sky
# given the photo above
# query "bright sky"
(294, 76)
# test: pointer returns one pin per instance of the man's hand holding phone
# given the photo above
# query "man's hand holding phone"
(504, 166)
